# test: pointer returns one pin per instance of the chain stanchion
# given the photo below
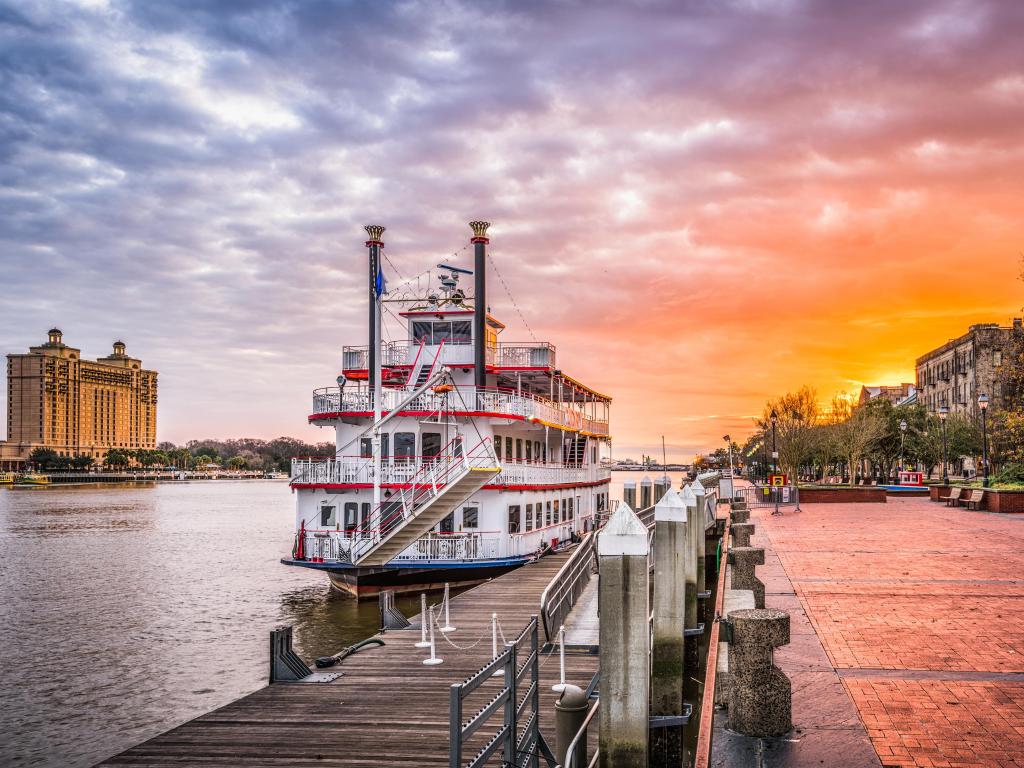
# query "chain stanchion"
(447, 613)
(433, 648)
(494, 644)
(560, 686)
(423, 643)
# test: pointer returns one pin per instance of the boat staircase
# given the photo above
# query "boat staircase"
(422, 370)
(576, 450)
(441, 485)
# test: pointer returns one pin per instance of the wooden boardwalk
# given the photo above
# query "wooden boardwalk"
(386, 709)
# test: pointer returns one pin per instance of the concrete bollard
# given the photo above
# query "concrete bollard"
(741, 533)
(622, 601)
(667, 652)
(743, 560)
(739, 514)
(570, 712)
(629, 493)
(661, 485)
(699, 492)
(646, 493)
(761, 697)
(690, 565)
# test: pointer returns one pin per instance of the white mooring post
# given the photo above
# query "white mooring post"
(447, 613)
(433, 648)
(622, 550)
(690, 500)
(494, 644)
(667, 653)
(560, 685)
(701, 497)
(423, 643)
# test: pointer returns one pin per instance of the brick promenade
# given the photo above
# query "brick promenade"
(919, 610)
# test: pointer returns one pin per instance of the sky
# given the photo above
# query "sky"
(701, 204)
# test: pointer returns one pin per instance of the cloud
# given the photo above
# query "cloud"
(701, 204)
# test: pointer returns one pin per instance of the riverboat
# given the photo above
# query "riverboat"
(32, 478)
(458, 456)
(6, 478)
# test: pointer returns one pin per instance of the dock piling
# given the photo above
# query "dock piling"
(743, 560)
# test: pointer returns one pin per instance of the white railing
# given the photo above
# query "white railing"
(358, 470)
(505, 354)
(329, 400)
(336, 546)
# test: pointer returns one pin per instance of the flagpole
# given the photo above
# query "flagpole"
(376, 297)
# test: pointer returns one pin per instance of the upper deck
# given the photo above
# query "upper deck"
(509, 356)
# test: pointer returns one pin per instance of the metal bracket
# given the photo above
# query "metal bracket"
(704, 595)
(724, 630)
(672, 721)
(694, 631)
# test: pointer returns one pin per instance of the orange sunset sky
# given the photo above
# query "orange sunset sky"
(700, 204)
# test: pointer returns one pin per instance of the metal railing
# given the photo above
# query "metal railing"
(331, 400)
(336, 546)
(760, 496)
(518, 737)
(562, 592)
(506, 354)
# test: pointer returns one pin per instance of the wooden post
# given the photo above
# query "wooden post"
(667, 662)
(622, 550)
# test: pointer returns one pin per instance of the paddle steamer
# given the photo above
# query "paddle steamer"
(458, 456)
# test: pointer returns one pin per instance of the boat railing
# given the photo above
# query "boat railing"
(336, 546)
(505, 354)
(487, 400)
(564, 590)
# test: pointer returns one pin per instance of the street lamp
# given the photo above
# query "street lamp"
(903, 434)
(983, 404)
(775, 452)
(943, 413)
(728, 444)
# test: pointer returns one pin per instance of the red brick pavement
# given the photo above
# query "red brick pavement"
(913, 586)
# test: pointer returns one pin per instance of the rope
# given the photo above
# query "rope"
(453, 645)
(510, 297)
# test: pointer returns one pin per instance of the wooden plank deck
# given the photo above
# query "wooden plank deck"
(386, 709)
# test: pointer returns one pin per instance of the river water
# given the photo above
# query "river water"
(127, 610)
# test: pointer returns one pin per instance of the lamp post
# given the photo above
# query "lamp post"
(903, 434)
(943, 413)
(983, 405)
(764, 455)
(728, 444)
(775, 452)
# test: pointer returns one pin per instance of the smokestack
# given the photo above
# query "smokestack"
(480, 241)
(374, 244)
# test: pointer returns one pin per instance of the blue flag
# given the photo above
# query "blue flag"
(379, 285)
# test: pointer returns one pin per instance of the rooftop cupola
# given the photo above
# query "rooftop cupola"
(56, 337)
(119, 349)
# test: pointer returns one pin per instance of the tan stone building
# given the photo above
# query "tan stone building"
(57, 400)
(954, 374)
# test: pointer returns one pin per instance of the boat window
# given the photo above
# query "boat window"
(457, 445)
(366, 447)
(547, 517)
(430, 444)
(448, 524)
(540, 515)
(529, 517)
(579, 506)
(519, 448)
(405, 446)
(364, 515)
(351, 510)
(556, 520)
(529, 451)
(544, 453)
(462, 332)
(421, 331)
(536, 450)
(327, 516)
(513, 518)
(470, 517)
(497, 447)
(385, 439)
(442, 333)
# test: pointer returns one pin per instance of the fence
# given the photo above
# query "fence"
(761, 496)
(562, 592)
(518, 739)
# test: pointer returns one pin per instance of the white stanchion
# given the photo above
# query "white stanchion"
(494, 644)
(447, 613)
(559, 687)
(433, 648)
(423, 643)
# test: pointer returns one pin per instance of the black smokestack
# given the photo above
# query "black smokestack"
(374, 244)
(480, 242)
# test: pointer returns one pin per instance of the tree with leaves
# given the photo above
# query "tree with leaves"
(796, 436)
(852, 432)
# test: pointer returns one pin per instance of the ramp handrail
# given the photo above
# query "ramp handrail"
(565, 588)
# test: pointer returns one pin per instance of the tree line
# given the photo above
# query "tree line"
(241, 454)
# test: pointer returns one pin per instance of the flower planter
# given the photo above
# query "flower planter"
(840, 495)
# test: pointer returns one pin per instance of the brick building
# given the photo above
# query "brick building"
(954, 374)
(894, 394)
(57, 400)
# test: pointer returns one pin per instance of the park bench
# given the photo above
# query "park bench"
(975, 499)
(953, 500)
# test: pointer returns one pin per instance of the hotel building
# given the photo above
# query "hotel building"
(57, 400)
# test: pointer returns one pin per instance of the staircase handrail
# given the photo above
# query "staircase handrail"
(564, 589)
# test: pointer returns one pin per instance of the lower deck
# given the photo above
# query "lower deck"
(386, 709)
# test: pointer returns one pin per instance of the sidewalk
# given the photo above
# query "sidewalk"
(916, 608)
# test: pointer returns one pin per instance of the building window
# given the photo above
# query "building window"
(997, 357)
(470, 517)
(529, 517)
(513, 518)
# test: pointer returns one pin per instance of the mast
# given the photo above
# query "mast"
(375, 243)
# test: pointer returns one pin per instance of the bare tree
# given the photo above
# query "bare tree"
(852, 431)
(796, 433)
